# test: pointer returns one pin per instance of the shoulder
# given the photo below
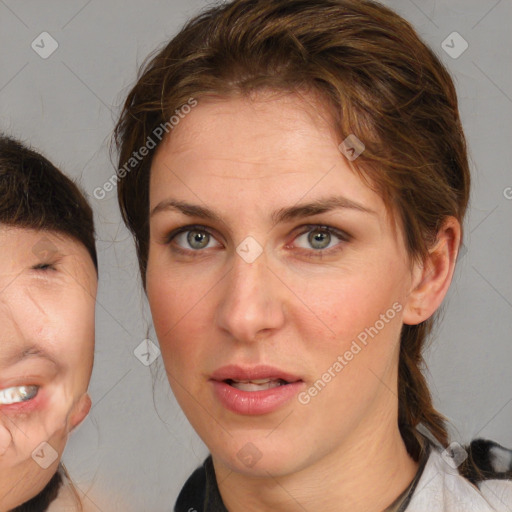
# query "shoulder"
(498, 493)
(442, 487)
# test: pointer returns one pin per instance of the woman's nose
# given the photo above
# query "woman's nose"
(252, 300)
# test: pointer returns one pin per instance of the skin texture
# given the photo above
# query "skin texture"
(291, 308)
(48, 287)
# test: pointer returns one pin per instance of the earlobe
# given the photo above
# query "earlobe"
(432, 279)
(80, 411)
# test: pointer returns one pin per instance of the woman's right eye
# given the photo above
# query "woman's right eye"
(18, 394)
(193, 238)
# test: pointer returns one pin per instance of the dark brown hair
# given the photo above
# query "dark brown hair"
(379, 81)
(35, 194)
(42, 501)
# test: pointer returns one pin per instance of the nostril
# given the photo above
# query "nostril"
(5, 439)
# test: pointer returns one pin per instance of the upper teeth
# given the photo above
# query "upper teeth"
(17, 394)
(256, 384)
(254, 381)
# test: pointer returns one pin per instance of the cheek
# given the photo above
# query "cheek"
(178, 326)
(365, 317)
(71, 321)
(40, 420)
(180, 308)
(60, 316)
(182, 331)
(351, 304)
(66, 329)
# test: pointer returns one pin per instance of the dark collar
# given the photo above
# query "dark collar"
(201, 493)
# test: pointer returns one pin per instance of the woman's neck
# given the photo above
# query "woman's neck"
(364, 474)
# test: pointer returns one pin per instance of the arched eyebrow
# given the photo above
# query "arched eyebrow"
(288, 214)
(317, 207)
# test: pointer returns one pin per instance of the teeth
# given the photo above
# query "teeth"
(257, 384)
(17, 394)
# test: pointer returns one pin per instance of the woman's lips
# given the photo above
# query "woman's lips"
(256, 390)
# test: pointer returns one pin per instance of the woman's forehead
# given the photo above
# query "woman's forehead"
(290, 118)
(254, 147)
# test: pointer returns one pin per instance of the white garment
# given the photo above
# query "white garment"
(442, 489)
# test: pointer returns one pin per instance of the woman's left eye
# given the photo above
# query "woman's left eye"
(17, 394)
(320, 238)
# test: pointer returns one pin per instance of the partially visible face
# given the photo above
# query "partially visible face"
(47, 294)
(246, 337)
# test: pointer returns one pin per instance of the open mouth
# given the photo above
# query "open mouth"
(256, 384)
(254, 390)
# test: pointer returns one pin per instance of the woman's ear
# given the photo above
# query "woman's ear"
(80, 411)
(432, 279)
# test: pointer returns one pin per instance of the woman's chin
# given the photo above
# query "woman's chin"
(258, 458)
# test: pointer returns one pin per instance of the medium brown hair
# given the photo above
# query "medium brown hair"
(379, 81)
(34, 194)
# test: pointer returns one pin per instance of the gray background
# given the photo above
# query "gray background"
(136, 449)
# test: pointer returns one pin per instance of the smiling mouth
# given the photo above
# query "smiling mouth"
(256, 384)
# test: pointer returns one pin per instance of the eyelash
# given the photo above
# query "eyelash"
(312, 253)
(44, 267)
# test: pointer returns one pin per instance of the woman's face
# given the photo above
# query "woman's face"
(277, 284)
(47, 294)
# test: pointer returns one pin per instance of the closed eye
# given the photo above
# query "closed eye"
(43, 266)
